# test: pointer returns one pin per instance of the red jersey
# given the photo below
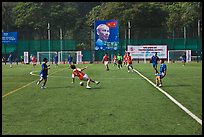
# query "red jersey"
(129, 60)
(34, 59)
(105, 58)
(77, 72)
(114, 57)
(125, 57)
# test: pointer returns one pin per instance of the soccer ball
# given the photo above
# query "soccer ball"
(81, 83)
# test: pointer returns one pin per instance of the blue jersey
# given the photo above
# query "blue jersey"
(56, 58)
(10, 58)
(184, 57)
(163, 68)
(155, 59)
(69, 59)
(44, 71)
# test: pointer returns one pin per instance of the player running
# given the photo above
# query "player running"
(162, 73)
(119, 58)
(10, 60)
(129, 62)
(154, 60)
(43, 73)
(56, 60)
(82, 76)
(114, 60)
(105, 61)
(184, 59)
(34, 61)
(125, 59)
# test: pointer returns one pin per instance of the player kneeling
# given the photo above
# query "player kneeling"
(162, 73)
(82, 76)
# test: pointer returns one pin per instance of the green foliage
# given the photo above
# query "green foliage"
(76, 18)
(183, 14)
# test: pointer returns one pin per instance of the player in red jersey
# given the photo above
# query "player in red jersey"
(34, 61)
(129, 62)
(125, 59)
(105, 61)
(114, 60)
(82, 76)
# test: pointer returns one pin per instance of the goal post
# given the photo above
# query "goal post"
(176, 55)
(76, 56)
(62, 56)
(46, 54)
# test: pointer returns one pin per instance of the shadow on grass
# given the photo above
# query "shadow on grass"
(177, 85)
(60, 87)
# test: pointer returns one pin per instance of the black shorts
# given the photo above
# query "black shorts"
(119, 62)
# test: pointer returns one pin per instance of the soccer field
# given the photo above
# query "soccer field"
(123, 103)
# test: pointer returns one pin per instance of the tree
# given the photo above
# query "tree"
(7, 17)
(183, 14)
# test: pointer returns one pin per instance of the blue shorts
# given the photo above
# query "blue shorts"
(160, 75)
(44, 76)
(154, 65)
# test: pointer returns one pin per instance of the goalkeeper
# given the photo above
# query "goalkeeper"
(43, 73)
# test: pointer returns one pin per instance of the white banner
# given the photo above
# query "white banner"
(26, 57)
(147, 51)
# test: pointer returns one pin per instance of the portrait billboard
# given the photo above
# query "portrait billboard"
(106, 35)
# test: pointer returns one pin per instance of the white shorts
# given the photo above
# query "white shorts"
(105, 63)
(85, 77)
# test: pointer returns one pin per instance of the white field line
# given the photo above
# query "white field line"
(26, 84)
(172, 99)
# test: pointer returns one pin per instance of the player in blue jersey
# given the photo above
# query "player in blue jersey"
(43, 73)
(70, 59)
(162, 73)
(184, 59)
(56, 60)
(154, 60)
(10, 59)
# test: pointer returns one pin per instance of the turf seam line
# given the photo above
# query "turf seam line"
(172, 99)
(17, 89)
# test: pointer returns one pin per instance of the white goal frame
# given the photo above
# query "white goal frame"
(78, 57)
(188, 54)
(44, 52)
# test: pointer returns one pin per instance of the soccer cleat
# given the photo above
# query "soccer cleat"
(156, 85)
(88, 87)
(43, 87)
(97, 82)
(160, 85)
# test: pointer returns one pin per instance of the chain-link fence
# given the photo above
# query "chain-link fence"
(34, 46)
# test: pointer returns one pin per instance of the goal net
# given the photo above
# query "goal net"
(62, 56)
(176, 55)
(46, 54)
(76, 56)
